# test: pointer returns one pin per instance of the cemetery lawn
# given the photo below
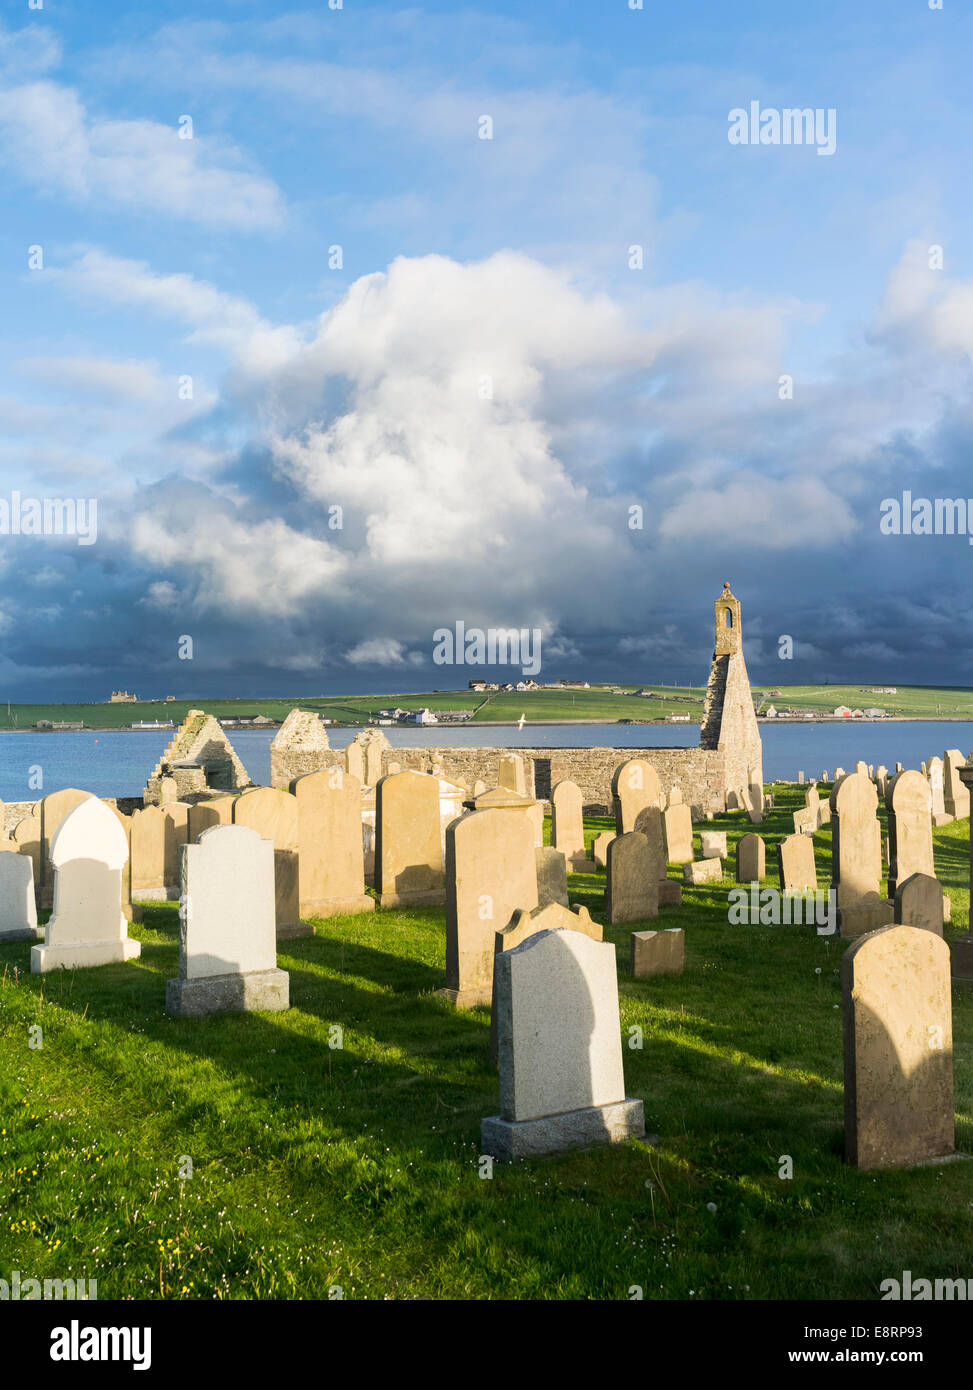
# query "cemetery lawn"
(358, 1166)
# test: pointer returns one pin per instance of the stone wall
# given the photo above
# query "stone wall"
(15, 811)
(700, 773)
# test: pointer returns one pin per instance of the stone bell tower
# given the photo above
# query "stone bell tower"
(729, 722)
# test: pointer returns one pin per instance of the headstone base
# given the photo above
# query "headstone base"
(155, 895)
(258, 990)
(430, 897)
(576, 1129)
(287, 931)
(22, 934)
(46, 958)
(468, 998)
(338, 907)
(856, 921)
(942, 818)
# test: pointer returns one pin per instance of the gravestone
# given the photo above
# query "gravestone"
(491, 873)
(754, 802)
(524, 924)
(856, 856)
(567, 826)
(157, 836)
(648, 822)
(862, 767)
(552, 876)
(751, 859)
(898, 767)
(512, 774)
(956, 796)
(228, 939)
(703, 871)
(677, 829)
(26, 839)
(909, 805)
(796, 872)
(506, 799)
(712, 844)
(408, 852)
(88, 854)
(52, 808)
(330, 849)
(203, 815)
(635, 785)
(919, 903)
(658, 952)
(273, 814)
(800, 779)
(560, 1047)
(599, 848)
(670, 892)
(936, 778)
(18, 908)
(898, 1049)
(355, 762)
(632, 884)
(675, 797)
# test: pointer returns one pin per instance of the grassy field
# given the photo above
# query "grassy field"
(538, 706)
(358, 1167)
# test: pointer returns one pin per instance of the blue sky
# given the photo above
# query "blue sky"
(484, 385)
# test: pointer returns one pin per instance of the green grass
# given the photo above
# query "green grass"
(539, 706)
(359, 1167)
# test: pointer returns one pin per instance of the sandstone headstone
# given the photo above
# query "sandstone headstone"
(18, 910)
(898, 1049)
(751, 859)
(157, 836)
(512, 774)
(648, 822)
(203, 815)
(26, 839)
(599, 848)
(703, 871)
(228, 940)
(670, 892)
(658, 952)
(677, 827)
(632, 885)
(88, 854)
(919, 903)
(355, 761)
(713, 844)
(330, 850)
(408, 854)
(491, 873)
(635, 785)
(561, 1081)
(956, 796)
(795, 864)
(273, 814)
(567, 826)
(675, 799)
(552, 876)
(909, 805)
(856, 856)
(53, 808)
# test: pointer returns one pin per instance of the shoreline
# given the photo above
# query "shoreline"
(799, 722)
